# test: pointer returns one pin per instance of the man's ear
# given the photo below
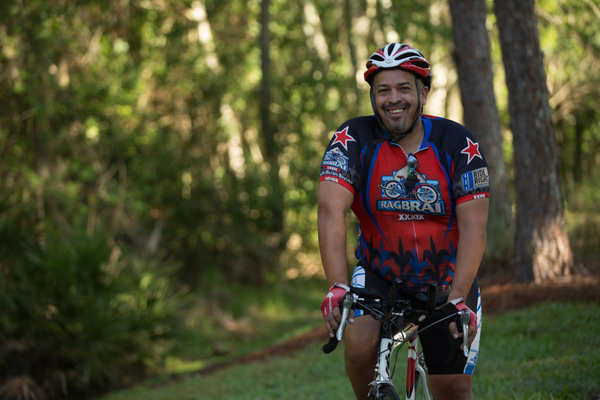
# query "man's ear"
(424, 94)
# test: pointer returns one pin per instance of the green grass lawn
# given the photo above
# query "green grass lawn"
(545, 352)
(250, 319)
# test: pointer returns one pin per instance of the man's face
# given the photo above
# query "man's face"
(396, 99)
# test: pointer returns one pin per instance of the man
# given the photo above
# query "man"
(419, 188)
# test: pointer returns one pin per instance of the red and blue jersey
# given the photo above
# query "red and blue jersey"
(406, 203)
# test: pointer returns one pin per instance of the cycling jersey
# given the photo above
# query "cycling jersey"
(406, 203)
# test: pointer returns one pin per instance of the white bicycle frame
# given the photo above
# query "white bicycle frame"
(415, 362)
(389, 341)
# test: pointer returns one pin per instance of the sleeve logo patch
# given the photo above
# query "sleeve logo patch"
(475, 179)
(336, 159)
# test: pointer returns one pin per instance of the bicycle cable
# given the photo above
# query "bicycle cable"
(397, 348)
(437, 322)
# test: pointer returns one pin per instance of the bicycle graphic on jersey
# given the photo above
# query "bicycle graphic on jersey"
(414, 185)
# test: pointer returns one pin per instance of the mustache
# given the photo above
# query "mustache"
(394, 106)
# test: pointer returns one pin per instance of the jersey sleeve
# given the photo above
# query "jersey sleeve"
(471, 179)
(341, 163)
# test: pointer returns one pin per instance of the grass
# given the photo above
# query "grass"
(545, 352)
(239, 320)
(549, 351)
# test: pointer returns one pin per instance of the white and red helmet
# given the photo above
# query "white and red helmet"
(399, 56)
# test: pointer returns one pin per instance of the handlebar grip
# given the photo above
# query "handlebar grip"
(331, 345)
(345, 304)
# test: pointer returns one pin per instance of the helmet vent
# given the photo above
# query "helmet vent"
(398, 55)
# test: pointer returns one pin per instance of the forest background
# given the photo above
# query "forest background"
(160, 162)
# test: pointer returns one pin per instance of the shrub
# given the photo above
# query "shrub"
(75, 316)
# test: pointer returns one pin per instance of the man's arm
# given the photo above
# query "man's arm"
(472, 219)
(334, 203)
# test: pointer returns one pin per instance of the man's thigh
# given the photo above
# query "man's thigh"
(453, 387)
(361, 338)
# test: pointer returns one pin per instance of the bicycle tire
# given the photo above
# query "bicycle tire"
(386, 392)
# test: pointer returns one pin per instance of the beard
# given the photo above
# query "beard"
(398, 126)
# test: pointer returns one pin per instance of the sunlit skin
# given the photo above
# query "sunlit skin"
(396, 99)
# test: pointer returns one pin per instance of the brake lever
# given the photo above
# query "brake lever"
(346, 307)
(464, 319)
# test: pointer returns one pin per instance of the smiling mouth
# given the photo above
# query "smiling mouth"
(396, 111)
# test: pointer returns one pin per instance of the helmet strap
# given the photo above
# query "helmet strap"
(419, 107)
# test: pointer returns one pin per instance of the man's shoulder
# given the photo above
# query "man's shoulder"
(445, 125)
(447, 132)
(454, 139)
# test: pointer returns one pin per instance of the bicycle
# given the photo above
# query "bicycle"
(401, 314)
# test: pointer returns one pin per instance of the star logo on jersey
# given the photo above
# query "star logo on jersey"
(343, 138)
(472, 150)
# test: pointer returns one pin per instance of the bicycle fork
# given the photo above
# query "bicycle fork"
(386, 348)
(416, 369)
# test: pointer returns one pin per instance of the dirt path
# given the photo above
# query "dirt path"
(500, 298)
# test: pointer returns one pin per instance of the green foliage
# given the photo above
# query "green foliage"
(131, 141)
(583, 219)
(71, 309)
(571, 44)
(152, 111)
(234, 320)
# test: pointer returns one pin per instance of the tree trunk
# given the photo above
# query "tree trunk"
(475, 75)
(349, 12)
(541, 242)
(265, 90)
(271, 147)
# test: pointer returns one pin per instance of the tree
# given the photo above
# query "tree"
(567, 35)
(475, 75)
(270, 143)
(541, 243)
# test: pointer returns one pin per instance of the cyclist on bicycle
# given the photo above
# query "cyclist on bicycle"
(417, 237)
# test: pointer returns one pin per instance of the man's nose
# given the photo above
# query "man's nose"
(395, 96)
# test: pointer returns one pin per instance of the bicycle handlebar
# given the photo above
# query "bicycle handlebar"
(345, 305)
(372, 301)
(331, 345)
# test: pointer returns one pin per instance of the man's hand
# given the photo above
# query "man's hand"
(455, 306)
(331, 307)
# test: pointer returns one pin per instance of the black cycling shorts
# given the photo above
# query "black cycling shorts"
(442, 352)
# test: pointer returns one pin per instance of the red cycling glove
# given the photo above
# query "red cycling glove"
(457, 305)
(333, 298)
